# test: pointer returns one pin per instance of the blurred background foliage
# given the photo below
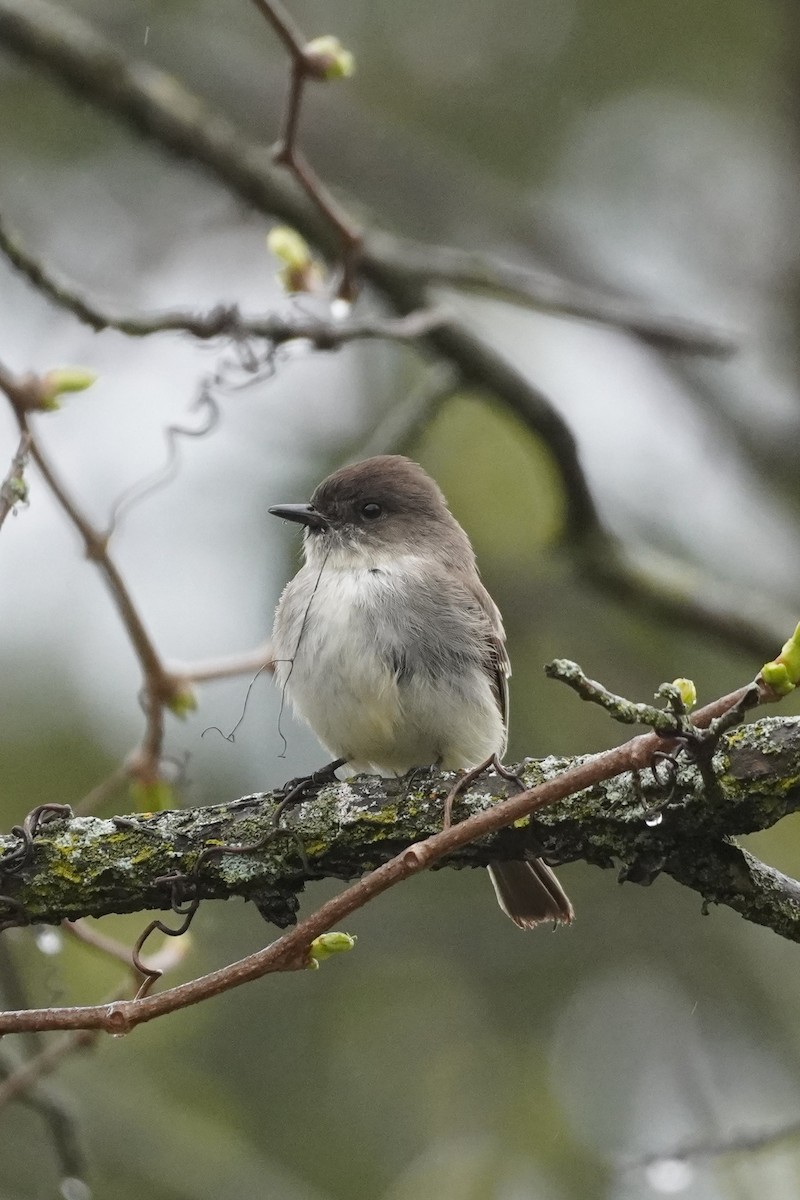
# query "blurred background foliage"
(647, 148)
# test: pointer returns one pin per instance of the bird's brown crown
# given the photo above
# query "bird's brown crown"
(390, 499)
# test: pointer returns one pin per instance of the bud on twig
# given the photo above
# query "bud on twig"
(301, 272)
(64, 379)
(326, 58)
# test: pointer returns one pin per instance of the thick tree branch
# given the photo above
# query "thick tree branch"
(757, 782)
(90, 867)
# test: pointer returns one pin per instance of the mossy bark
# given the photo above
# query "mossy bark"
(88, 866)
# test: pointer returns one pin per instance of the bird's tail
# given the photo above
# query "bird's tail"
(529, 893)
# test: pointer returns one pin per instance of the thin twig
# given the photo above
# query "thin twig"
(13, 489)
(18, 1084)
(159, 107)
(406, 419)
(102, 792)
(107, 946)
(628, 712)
(23, 1082)
(159, 687)
(303, 70)
(223, 668)
(223, 321)
(741, 1143)
(285, 27)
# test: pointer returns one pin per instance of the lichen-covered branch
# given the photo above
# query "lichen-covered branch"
(88, 867)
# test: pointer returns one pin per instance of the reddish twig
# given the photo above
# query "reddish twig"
(28, 1073)
(163, 687)
(159, 687)
(305, 68)
(285, 27)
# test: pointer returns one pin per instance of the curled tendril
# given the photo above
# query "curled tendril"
(15, 860)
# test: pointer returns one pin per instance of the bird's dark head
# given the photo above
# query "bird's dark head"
(383, 507)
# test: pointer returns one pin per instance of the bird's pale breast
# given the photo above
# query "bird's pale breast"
(370, 678)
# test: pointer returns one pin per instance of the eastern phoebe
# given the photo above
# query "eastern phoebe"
(389, 646)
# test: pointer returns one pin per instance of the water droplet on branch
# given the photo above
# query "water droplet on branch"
(49, 941)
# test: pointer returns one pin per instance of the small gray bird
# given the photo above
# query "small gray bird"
(389, 646)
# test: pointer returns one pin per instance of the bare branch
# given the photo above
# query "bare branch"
(284, 25)
(668, 589)
(222, 668)
(13, 489)
(224, 321)
(486, 274)
(23, 1083)
(306, 68)
(159, 688)
(160, 108)
(155, 105)
(103, 791)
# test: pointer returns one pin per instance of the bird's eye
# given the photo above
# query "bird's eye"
(371, 511)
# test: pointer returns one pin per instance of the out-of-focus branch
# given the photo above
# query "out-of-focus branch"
(285, 27)
(24, 1081)
(25, 395)
(745, 1142)
(224, 321)
(668, 589)
(309, 62)
(223, 668)
(156, 106)
(406, 419)
(13, 489)
(162, 688)
(491, 276)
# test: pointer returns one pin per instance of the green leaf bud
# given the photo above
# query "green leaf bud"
(327, 58)
(64, 379)
(327, 944)
(687, 690)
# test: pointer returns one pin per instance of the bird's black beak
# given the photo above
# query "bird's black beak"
(304, 514)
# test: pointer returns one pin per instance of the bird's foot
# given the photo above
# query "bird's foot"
(295, 789)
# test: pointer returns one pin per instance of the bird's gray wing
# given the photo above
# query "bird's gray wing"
(450, 625)
(497, 662)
